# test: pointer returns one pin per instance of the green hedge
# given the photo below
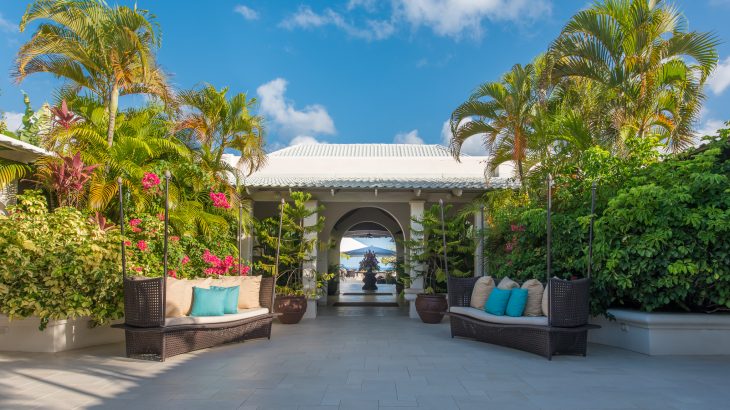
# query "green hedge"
(662, 230)
(58, 265)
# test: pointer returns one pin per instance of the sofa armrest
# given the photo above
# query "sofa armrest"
(460, 290)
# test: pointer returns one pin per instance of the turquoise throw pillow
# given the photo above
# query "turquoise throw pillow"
(497, 302)
(231, 303)
(208, 302)
(517, 302)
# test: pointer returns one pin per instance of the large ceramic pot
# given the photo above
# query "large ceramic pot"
(291, 308)
(431, 308)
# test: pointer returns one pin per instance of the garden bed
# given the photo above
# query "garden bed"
(659, 333)
(22, 335)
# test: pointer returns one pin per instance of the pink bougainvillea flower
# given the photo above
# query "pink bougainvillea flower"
(172, 273)
(150, 180)
(142, 245)
(219, 200)
(135, 222)
(185, 260)
(174, 238)
(138, 268)
(245, 270)
(127, 243)
(218, 266)
(136, 230)
(161, 216)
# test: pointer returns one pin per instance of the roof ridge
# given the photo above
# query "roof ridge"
(364, 150)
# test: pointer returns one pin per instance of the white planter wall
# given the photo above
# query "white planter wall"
(22, 335)
(664, 333)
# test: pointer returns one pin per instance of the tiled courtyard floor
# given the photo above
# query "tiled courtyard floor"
(364, 358)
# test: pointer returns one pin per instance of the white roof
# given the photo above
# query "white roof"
(368, 166)
(20, 151)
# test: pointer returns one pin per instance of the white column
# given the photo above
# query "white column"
(248, 239)
(310, 266)
(417, 208)
(479, 249)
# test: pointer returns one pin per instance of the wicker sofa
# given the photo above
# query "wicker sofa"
(151, 335)
(563, 331)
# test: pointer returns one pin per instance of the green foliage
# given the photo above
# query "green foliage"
(427, 247)
(58, 265)
(298, 240)
(663, 240)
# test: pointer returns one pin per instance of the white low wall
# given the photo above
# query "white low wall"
(664, 333)
(22, 335)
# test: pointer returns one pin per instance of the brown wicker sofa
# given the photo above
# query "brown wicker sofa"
(151, 336)
(563, 331)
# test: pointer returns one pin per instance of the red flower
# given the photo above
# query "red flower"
(137, 268)
(174, 238)
(219, 200)
(136, 230)
(149, 180)
(142, 245)
(185, 260)
(172, 273)
(134, 222)
(245, 270)
(161, 216)
(127, 243)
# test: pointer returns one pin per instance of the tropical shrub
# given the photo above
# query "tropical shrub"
(59, 264)
(427, 247)
(663, 243)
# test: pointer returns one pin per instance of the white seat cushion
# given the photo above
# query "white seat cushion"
(206, 320)
(503, 320)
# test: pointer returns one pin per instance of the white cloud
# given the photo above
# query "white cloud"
(709, 127)
(306, 18)
(719, 80)
(247, 12)
(368, 5)
(7, 25)
(408, 138)
(312, 119)
(305, 140)
(472, 146)
(14, 120)
(453, 18)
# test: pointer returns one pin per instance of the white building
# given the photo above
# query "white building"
(368, 187)
(15, 150)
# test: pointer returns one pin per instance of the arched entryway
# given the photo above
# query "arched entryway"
(356, 231)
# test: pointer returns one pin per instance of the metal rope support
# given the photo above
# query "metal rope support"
(121, 227)
(549, 223)
(443, 238)
(590, 229)
(482, 231)
(164, 255)
(278, 249)
(240, 233)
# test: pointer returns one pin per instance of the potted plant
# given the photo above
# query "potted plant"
(439, 247)
(285, 246)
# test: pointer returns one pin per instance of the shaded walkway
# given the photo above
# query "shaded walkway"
(354, 362)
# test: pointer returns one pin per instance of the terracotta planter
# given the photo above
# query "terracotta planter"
(292, 308)
(431, 308)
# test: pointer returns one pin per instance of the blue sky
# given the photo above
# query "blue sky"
(358, 70)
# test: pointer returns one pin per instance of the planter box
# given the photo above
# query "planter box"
(664, 333)
(22, 335)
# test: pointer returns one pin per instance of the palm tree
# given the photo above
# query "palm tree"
(647, 68)
(503, 112)
(217, 123)
(109, 51)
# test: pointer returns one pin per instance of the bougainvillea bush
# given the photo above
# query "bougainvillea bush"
(58, 265)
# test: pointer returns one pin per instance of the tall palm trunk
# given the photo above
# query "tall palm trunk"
(113, 105)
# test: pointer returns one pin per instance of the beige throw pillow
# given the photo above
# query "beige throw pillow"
(507, 284)
(248, 291)
(482, 289)
(545, 307)
(534, 297)
(179, 295)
